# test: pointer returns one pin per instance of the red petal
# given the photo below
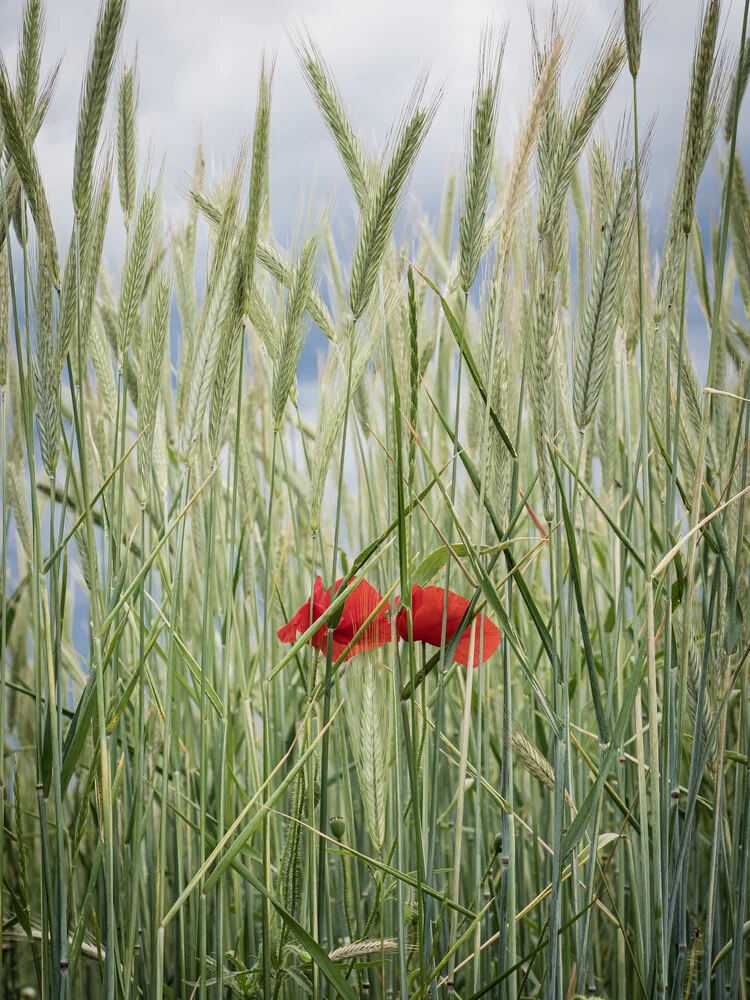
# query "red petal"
(427, 623)
(490, 640)
(427, 615)
(358, 607)
(301, 621)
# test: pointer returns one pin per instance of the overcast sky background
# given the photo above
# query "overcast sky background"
(199, 61)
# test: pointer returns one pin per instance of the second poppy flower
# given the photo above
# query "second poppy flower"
(358, 607)
(427, 604)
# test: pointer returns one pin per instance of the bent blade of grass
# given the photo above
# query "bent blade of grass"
(468, 357)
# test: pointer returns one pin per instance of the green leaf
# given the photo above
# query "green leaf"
(308, 942)
(678, 586)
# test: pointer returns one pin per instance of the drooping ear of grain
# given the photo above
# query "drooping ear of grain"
(151, 363)
(260, 312)
(478, 156)
(230, 346)
(11, 179)
(384, 200)
(607, 431)
(46, 373)
(326, 94)
(744, 75)
(503, 224)
(447, 208)
(739, 222)
(531, 758)
(675, 236)
(258, 176)
(700, 86)
(370, 728)
(127, 142)
(4, 315)
(93, 250)
(361, 949)
(566, 152)
(207, 340)
(21, 846)
(134, 272)
(542, 359)
(289, 878)
(495, 374)
(88, 246)
(277, 263)
(99, 352)
(332, 407)
(22, 153)
(94, 99)
(189, 322)
(633, 34)
(19, 504)
(30, 56)
(604, 305)
(292, 337)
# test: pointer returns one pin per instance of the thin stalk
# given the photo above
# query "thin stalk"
(203, 750)
(718, 815)
(160, 903)
(464, 747)
(61, 975)
(442, 671)
(507, 949)
(478, 865)
(266, 905)
(226, 659)
(738, 950)
(322, 849)
(135, 847)
(553, 973)
(653, 706)
(3, 644)
(397, 773)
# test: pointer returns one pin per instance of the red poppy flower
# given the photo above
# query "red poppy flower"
(358, 607)
(427, 605)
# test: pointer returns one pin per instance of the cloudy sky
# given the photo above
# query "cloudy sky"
(199, 61)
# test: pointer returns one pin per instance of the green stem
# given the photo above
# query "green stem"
(160, 905)
(322, 850)
(266, 905)
(205, 660)
(442, 671)
(135, 846)
(226, 659)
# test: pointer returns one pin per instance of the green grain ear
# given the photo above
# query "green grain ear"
(94, 98)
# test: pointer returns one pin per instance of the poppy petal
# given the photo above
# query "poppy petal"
(359, 606)
(301, 620)
(490, 640)
(428, 604)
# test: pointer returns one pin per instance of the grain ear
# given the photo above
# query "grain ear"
(94, 98)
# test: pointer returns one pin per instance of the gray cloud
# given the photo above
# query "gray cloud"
(199, 62)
